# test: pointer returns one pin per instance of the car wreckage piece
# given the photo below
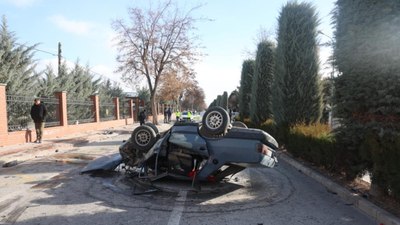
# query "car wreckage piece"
(207, 151)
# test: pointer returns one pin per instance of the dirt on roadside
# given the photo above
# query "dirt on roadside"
(13, 155)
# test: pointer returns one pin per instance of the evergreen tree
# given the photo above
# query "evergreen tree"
(219, 100)
(48, 84)
(64, 79)
(261, 101)
(84, 84)
(213, 103)
(233, 100)
(245, 88)
(17, 72)
(297, 86)
(107, 92)
(79, 84)
(367, 95)
(327, 90)
(144, 94)
(16, 64)
(112, 89)
(224, 100)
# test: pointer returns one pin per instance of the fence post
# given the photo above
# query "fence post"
(131, 113)
(96, 108)
(116, 111)
(3, 114)
(137, 104)
(62, 109)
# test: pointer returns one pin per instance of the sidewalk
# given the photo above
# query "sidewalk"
(12, 155)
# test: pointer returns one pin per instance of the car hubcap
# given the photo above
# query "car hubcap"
(143, 138)
(214, 120)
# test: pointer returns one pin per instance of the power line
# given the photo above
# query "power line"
(36, 49)
(45, 52)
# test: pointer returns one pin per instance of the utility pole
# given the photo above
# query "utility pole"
(59, 58)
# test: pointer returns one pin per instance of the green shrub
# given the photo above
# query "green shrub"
(385, 152)
(313, 143)
(279, 133)
(269, 127)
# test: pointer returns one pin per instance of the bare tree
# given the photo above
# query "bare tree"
(173, 85)
(156, 43)
(194, 98)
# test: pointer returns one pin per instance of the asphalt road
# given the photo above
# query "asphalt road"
(50, 190)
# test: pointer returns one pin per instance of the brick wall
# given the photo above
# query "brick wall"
(20, 137)
(3, 114)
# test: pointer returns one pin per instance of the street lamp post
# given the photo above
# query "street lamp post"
(332, 63)
(331, 44)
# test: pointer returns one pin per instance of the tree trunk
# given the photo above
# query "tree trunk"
(154, 109)
(375, 190)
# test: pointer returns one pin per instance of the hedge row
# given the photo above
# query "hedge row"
(317, 144)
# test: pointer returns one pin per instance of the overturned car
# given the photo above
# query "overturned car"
(206, 151)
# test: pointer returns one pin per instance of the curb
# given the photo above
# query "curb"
(379, 215)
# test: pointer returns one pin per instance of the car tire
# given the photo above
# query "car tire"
(154, 127)
(215, 121)
(143, 138)
(239, 124)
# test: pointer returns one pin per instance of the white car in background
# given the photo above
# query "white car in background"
(185, 116)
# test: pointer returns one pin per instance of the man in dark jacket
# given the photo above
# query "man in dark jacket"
(38, 114)
(142, 117)
(169, 113)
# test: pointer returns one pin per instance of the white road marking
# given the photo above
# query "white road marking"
(176, 213)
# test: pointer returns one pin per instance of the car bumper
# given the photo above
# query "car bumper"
(269, 161)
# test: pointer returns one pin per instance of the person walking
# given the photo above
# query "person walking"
(38, 114)
(142, 117)
(165, 115)
(177, 115)
(169, 113)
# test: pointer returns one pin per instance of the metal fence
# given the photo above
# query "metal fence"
(107, 111)
(18, 112)
(124, 109)
(53, 111)
(80, 111)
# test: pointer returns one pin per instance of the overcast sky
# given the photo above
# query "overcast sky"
(84, 29)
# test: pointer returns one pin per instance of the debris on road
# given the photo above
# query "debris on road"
(11, 163)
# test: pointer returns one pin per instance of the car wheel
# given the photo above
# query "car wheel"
(143, 138)
(239, 124)
(154, 127)
(215, 121)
